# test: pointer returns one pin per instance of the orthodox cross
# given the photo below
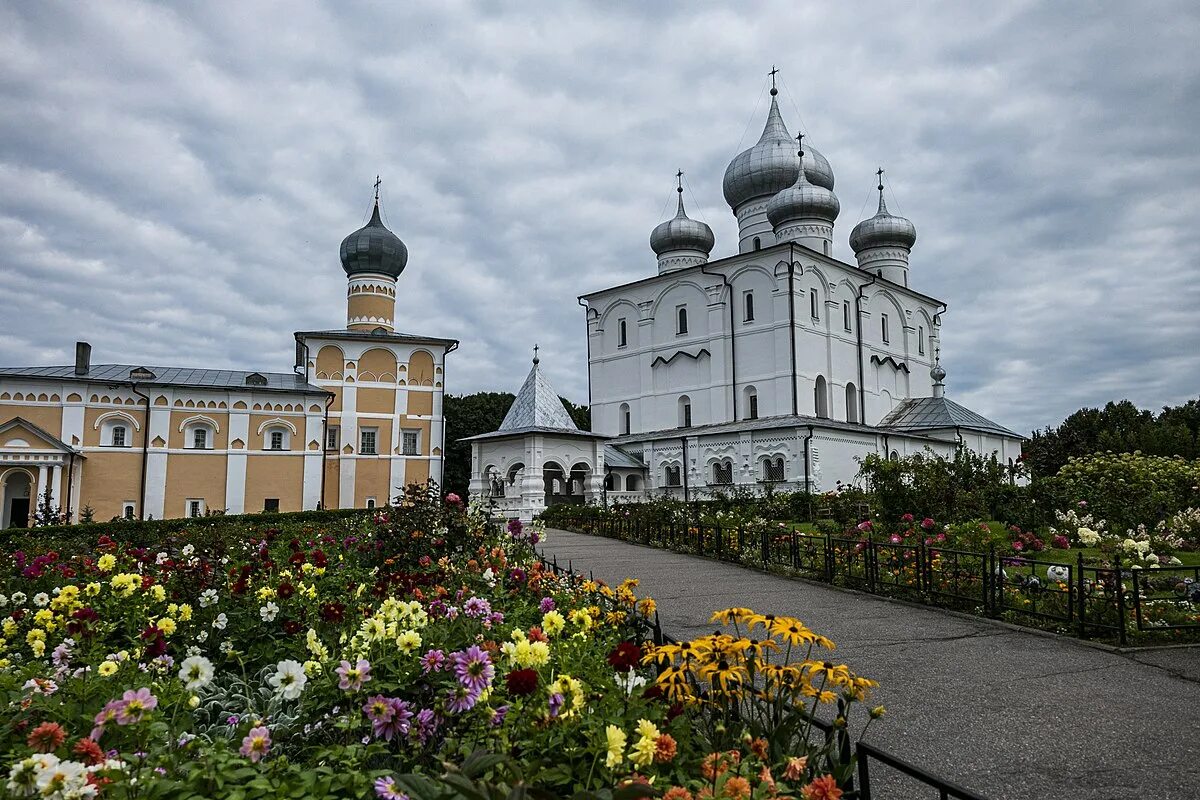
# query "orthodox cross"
(879, 172)
(535, 354)
(773, 73)
(800, 139)
(377, 182)
(679, 177)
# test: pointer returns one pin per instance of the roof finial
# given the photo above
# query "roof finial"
(773, 73)
(377, 182)
(937, 373)
(800, 139)
(679, 178)
(882, 205)
(536, 360)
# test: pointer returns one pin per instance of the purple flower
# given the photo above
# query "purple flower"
(387, 789)
(231, 720)
(433, 661)
(473, 668)
(515, 526)
(389, 716)
(477, 607)
(547, 604)
(494, 618)
(461, 699)
(352, 678)
(256, 744)
(425, 725)
(517, 575)
(498, 716)
(556, 704)
(134, 705)
(437, 609)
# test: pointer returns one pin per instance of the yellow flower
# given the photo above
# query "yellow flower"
(38, 647)
(193, 702)
(106, 562)
(185, 612)
(614, 745)
(408, 641)
(158, 592)
(643, 752)
(647, 606)
(647, 729)
(579, 617)
(731, 615)
(166, 625)
(266, 593)
(107, 668)
(92, 589)
(44, 618)
(553, 623)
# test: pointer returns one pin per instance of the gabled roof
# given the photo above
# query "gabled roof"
(939, 413)
(616, 457)
(41, 433)
(171, 376)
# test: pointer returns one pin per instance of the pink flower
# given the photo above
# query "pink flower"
(927, 523)
(865, 525)
(1018, 545)
(453, 499)
(895, 538)
(387, 789)
(134, 705)
(352, 678)
(256, 744)
(433, 661)
(1061, 542)
(388, 715)
(906, 518)
(473, 668)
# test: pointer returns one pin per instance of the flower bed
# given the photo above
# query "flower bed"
(423, 654)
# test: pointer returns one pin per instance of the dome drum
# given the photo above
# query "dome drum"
(681, 241)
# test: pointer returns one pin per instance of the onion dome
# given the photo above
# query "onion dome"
(803, 200)
(374, 249)
(770, 166)
(883, 230)
(681, 232)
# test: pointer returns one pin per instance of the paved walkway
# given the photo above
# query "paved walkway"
(1007, 713)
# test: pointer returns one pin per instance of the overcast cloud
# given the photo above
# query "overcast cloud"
(175, 179)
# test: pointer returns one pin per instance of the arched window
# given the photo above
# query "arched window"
(198, 434)
(116, 428)
(622, 333)
(883, 328)
(851, 403)
(624, 418)
(610, 482)
(921, 339)
(846, 315)
(722, 473)
(813, 305)
(748, 310)
(685, 412)
(681, 321)
(894, 456)
(751, 405)
(119, 436)
(757, 243)
(773, 470)
(671, 475)
(633, 483)
(821, 398)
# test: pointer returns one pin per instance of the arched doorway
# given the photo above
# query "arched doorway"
(18, 496)
(554, 477)
(577, 486)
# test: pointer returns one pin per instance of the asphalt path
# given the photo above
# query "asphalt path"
(1005, 712)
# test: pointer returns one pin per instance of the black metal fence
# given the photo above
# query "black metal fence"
(864, 754)
(1083, 600)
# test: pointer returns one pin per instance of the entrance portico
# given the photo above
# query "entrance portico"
(32, 460)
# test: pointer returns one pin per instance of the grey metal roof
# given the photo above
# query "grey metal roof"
(939, 413)
(389, 336)
(374, 248)
(616, 457)
(537, 406)
(517, 433)
(771, 165)
(171, 376)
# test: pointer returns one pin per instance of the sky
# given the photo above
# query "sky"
(175, 179)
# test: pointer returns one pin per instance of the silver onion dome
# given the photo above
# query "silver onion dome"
(770, 166)
(374, 249)
(937, 373)
(803, 200)
(883, 230)
(681, 232)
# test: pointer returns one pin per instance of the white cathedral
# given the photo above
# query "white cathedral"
(777, 366)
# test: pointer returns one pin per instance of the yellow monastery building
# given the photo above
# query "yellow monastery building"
(358, 418)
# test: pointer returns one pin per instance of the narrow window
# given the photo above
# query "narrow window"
(921, 339)
(367, 441)
(200, 438)
(673, 475)
(723, 472)
(331, 437)
(129, 510)
(753, 406)
(276, 440)
(195, 508)
(821, 398)
(883, 327)
(370, 502)
(685, 412)
(118, 436)
(622, 333)
(812, 304)
(851, 403)
(681, 324)
(757, 243)
(271, 504)
(411, 444)
(748, 316)
(846, 315)
(625, 418)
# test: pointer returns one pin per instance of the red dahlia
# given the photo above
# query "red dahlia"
(625, 656)
(522, 682)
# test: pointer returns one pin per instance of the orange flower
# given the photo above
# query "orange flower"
(47, 737)
(823, 788)
(664, 748)
(737, 788)
(536, 635)
(760, 748)
(795, 768)
(766, 779)
(715, 764)
(89, 751)
(677, 793)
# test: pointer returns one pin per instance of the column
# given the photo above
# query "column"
(56, 486)
(36, 500)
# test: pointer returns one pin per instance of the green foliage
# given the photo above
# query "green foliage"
(965, 487)
(1128, 489)
(1120, 427)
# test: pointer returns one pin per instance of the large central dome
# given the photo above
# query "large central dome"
(771, 165)
(374, 249)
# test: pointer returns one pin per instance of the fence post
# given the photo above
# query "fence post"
(997, 572)
(872, 563)
(794, 548)
(1082, 599)
(828, 559)
(1120, 599)
(864, 780)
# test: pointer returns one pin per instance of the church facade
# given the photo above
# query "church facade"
(780, 365)
(357, 418)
